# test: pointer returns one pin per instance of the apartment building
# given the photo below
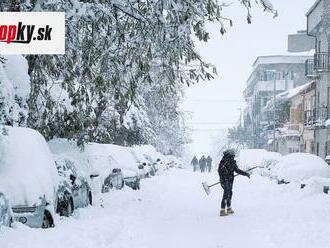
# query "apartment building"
(318, 69)
(272, 75)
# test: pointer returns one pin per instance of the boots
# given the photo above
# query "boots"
(230, 211)
(223, 212)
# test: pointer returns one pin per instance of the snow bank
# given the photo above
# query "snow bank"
(299, 167)
(257, 157)
(27, 169)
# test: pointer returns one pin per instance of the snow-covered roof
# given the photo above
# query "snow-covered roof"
(289, 58)
(293, 92)
(289, 94)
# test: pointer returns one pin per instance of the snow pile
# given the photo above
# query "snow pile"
(27, 168)
(299, 167)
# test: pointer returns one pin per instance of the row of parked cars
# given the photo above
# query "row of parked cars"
(39, 180)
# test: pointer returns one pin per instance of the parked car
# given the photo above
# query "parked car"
(114, 180)
(300, 167)
(6, 214)
(142, 157)
(131, 179)
(327, 159)
(74, 190)
(28, 175)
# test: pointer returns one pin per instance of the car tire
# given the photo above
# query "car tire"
(11, 221)
(67, 212)
(47, 221)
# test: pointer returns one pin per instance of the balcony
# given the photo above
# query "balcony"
(316, 117)
(321, 62)
(309, 69)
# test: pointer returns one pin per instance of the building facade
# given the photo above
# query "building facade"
(273, 75)
(318, 27)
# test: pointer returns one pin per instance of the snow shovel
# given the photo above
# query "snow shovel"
(207, 187)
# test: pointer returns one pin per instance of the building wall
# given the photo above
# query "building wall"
(308, 139)
(322, 96)
(300, 42)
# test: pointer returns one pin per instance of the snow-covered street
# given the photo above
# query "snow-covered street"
(172, 210)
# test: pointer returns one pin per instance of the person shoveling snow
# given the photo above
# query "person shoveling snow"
(226, 170)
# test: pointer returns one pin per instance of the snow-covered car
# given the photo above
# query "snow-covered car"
(114, 180)
(6, 215)
(173, 162)
(28, 176)
(74, 190)
(142, 155)
(149, 170)
(300, 167)
(131, 179)
(142, 172)
(265, 160)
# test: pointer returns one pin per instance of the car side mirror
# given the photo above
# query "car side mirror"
(93, 176)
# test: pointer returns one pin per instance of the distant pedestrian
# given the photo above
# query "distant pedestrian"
(202, 164)
(209, 163)
(226, 170)
(194, 163)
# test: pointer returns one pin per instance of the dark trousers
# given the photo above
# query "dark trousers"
(227, 193)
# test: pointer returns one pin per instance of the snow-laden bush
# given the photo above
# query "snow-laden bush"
(14, 90)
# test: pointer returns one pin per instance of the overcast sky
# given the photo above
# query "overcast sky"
(215, 105)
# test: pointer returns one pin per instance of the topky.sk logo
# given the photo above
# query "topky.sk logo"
(32, 33)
